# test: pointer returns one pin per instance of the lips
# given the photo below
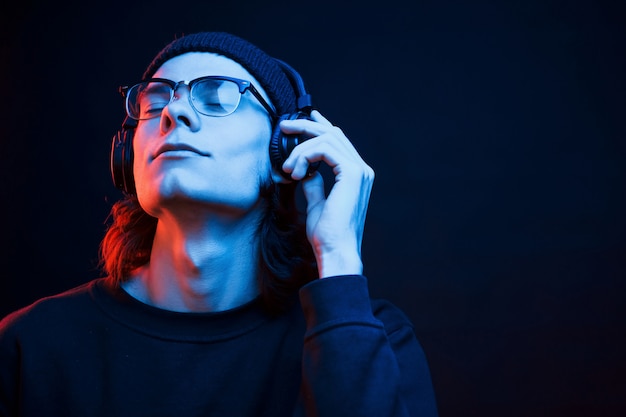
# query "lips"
(178, 148)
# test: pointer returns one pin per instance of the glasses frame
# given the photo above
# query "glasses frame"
(243, 86)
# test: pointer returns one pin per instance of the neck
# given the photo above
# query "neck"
(196, 266)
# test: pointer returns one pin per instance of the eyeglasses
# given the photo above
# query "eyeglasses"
(212, 96)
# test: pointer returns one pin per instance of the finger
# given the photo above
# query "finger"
(327, 148)
(313, 189)
(315, 126)
(331, 152)
(309, 127)
(318, 130)
(317, 116)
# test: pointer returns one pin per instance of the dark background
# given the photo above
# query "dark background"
(496, 129)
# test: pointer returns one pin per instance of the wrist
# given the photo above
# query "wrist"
(342, 263)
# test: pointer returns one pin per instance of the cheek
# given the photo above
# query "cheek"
(248, 149)
(140, 153)
(145, 180)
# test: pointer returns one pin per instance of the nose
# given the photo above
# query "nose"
(180, 112)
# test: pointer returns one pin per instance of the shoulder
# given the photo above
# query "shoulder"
(44, 310)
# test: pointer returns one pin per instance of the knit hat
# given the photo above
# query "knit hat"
(258, 63)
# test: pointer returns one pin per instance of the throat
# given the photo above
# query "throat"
(197, 276)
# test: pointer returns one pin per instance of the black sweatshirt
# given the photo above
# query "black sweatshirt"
(96, 351)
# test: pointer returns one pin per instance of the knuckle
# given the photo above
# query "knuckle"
(337, 130)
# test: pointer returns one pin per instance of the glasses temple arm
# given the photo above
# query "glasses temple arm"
(264, 103)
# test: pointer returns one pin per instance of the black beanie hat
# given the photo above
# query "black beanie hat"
(258, 63)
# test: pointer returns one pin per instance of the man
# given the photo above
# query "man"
(217, 300)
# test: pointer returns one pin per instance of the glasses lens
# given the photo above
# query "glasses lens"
(146, 100)
(215, 97)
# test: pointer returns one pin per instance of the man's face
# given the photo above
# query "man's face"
(183, 157)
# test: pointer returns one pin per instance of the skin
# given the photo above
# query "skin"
(201, 175)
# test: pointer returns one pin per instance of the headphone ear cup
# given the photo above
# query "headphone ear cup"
(122, 161)
(281, 144)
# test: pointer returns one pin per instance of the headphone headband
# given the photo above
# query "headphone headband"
(303, 99)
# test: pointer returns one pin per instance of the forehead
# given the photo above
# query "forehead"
(192, 65)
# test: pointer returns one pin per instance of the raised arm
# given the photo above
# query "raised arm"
(361, 358)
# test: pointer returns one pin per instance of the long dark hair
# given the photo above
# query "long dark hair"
(286, 259)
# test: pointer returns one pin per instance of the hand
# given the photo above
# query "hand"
(335, 222)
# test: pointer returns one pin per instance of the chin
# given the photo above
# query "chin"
(217, 192)
(173, 200)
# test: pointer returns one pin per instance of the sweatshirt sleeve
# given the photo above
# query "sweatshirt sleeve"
(361, 357)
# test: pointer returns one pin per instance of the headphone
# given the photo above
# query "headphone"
(280, 145)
